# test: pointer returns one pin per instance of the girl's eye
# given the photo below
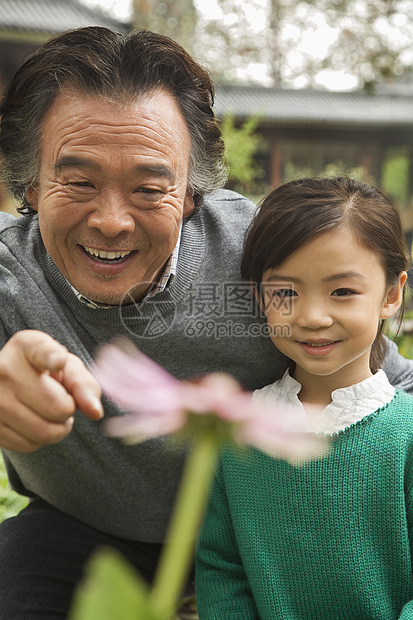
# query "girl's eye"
(343, 292)
(283, 293)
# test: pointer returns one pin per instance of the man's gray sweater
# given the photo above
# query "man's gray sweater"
(205, 320)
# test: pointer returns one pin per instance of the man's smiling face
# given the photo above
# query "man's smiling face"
(112, 190)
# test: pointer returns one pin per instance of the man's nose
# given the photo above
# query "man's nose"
(314, 314)
(112, 215)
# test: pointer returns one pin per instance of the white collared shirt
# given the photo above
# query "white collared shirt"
(348, 405)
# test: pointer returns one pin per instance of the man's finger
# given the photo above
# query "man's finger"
(83, 387)
(41, 351)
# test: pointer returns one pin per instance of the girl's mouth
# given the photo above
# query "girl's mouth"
(318, 348)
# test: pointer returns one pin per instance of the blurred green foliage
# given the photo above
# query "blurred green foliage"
(334, 168)
(405, 344)
(10, 502)
(241, 146)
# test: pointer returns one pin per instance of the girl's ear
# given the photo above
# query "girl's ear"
(257, 296)
(394, 297)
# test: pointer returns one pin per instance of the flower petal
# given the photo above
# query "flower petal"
(136, 428)
(218, 393)
(136, 382)
(269, 431)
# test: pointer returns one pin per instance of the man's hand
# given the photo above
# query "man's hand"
(41, 385)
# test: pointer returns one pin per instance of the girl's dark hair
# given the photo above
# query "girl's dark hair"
(123, 68)
(295, 212)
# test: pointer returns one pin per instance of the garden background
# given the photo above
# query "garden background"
(303, 88)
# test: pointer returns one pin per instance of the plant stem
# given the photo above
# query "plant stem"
(177, 554)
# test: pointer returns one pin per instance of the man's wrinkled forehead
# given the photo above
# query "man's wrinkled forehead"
(157, 114)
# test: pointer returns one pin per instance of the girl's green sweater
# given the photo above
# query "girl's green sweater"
(328, 540)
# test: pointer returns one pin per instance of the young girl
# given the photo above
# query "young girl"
(330, 539)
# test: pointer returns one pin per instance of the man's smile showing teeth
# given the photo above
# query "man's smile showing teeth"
(104, 255)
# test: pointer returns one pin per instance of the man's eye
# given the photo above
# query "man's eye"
(80, 183)
(148, 196)
(144, 189)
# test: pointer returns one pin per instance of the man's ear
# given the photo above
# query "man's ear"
(394, 297)
(188, 204)
(32, 197)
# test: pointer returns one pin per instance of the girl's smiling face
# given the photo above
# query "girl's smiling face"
(324, 304)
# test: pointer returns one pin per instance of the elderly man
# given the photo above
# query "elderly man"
(111, 146)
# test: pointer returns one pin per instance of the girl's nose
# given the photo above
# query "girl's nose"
(314, 315)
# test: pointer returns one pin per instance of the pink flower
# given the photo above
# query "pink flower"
(160, 405)
(143, 388)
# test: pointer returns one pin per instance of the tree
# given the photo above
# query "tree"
(301, 40)
(372, 40)
(175, 18)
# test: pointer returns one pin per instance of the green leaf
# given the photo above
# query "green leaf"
(112, 588)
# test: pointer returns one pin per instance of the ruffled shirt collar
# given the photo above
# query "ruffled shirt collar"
(348, 405)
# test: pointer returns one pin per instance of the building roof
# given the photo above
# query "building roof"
(315, 107)
(47, 17)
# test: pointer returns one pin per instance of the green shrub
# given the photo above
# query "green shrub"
(10, 502)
